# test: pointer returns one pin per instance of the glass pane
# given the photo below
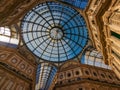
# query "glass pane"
(92, 57)
(44, 76)
(77, 3)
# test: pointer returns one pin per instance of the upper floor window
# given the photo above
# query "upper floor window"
(4, 31)
(115, 34)
(8, 37)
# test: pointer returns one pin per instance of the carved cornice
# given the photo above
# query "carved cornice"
(85, 14)
(68, 64)
(102, 76)
(11, 69)
(17, 62)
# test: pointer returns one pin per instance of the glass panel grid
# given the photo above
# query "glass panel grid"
(44, 76)
(77, 3)
(54, 32)
(94, 58)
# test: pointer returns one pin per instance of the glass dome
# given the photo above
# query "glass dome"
(54, 32)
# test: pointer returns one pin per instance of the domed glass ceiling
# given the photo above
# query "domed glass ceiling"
(54, 32)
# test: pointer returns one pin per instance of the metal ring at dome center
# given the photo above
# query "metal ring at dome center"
(56, 33)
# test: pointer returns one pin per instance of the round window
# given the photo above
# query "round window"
(94, 73)
(103, 75)
(77, 72)
(61, 76)
(69, 74)
(87, 72)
